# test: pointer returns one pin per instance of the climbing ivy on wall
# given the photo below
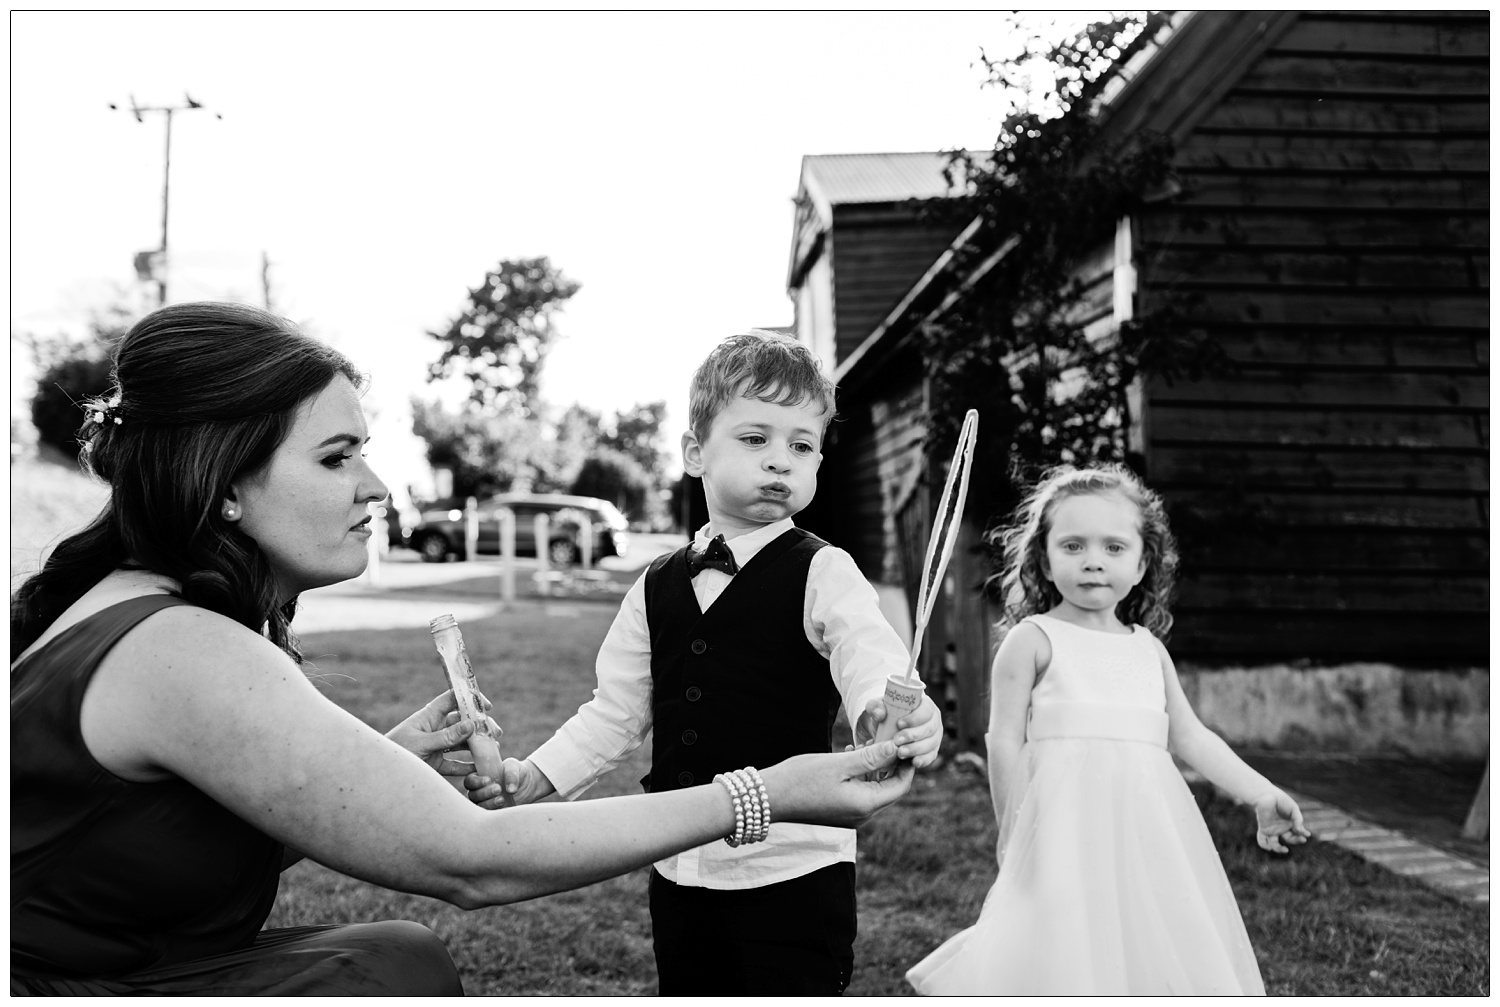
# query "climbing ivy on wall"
(1014, 346)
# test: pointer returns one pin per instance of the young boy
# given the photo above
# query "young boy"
(737, 651)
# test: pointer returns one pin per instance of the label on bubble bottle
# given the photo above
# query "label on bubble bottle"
(901, 697)
(450, 646)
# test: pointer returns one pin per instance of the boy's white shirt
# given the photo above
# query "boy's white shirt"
(842, 620)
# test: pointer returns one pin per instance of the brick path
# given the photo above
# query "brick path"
(1396, 851)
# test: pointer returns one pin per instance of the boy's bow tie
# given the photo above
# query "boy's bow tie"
(717, 556)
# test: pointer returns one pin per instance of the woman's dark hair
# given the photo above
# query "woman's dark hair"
(203, 394)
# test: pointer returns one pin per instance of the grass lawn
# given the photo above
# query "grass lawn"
(1322, 921)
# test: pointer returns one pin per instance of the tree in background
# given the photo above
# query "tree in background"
(487, 453)
(502, 439)
(615, 476)
(499, 343)
(637, 437)
(69, 373)
(574, 437)
(638, 433)
(500, 339)
(624, 464)
(582, 426)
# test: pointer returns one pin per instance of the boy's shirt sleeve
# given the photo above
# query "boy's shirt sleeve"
(614, 723)
(843, 620)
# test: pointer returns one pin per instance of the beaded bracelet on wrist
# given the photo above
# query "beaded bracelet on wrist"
(765, 798)
(762, 816)
(732, 786)
(752, 805)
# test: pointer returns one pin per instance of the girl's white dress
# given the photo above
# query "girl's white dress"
(1109, 882)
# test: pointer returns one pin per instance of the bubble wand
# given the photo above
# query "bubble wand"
(903, 694)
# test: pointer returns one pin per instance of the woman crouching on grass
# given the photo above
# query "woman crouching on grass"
(168, 757)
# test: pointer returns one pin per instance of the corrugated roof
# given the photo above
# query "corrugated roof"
(877, 178)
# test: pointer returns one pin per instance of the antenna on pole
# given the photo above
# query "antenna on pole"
(152, 264)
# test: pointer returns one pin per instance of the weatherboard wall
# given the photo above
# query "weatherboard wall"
(1332, 236)
(878, 251)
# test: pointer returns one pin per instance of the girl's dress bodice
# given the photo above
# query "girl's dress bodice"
(1099, 685)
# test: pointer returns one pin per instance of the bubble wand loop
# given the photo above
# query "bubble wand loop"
(903, 694)
(944, 535)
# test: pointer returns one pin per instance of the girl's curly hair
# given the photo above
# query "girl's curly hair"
(1025, 589)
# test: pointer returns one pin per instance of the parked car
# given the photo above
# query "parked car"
(440, 533)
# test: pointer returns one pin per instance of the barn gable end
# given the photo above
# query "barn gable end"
(1332, 237)
(1331, 489)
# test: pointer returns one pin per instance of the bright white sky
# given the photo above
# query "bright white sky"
(385, 161)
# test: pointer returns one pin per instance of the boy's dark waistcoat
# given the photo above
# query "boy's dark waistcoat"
(738, 685)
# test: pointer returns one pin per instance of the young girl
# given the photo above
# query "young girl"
(1109, 882)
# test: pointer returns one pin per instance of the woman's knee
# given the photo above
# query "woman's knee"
(414, 960)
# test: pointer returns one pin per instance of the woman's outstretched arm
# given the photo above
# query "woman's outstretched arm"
(194, 695)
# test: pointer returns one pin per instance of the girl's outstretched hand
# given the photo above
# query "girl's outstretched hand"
(1278, 822)
(832, 789)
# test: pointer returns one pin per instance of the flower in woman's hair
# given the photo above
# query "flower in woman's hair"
(102, 411)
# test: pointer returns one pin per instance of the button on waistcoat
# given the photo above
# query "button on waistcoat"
(738, 685)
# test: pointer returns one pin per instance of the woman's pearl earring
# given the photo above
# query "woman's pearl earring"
(231, 511)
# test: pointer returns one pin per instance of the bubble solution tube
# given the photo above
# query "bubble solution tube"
(450, 645)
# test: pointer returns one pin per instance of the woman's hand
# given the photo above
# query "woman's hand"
(437, 729)
(832, 789)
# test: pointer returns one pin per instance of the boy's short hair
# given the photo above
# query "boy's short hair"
(758, 364)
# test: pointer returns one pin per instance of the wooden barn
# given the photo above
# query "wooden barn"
(1331, 235)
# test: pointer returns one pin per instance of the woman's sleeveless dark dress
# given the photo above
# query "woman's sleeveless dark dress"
(120, 887)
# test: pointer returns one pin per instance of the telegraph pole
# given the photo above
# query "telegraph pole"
(149, 263)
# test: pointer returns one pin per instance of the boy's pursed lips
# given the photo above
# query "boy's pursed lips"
(777, 491)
